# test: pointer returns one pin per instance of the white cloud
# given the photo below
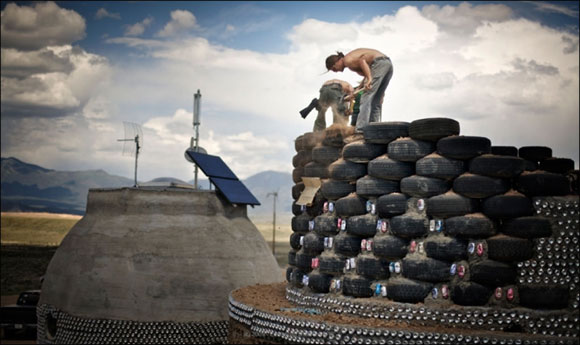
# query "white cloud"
(550, 7)
(464, 18)
(138, 29)
(103, 13)
(181, 21)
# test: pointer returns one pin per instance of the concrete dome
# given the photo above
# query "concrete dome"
(165, 254)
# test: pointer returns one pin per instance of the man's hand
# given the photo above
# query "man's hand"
(368, 84)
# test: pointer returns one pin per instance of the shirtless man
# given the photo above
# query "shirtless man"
(332, 95)
(377, 70)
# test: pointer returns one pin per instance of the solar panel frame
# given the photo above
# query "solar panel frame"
(212, 166)
(234, 191)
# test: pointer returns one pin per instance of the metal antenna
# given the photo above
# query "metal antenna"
(133, 133)
(196, 123)
(275, 194)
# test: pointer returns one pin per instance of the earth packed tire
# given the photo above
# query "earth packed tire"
(391, 205)
(319, 282)
(347, 245)
(474, 225)
(289, 270)
(350, 205)
(311, 139)
(389, 169)
(301, 158)
(449, 205)
(363, 226)
(390, 247)
(504, 151)
(299, 143)
(463, 147)
(407, 290)
(334, 135)
(297, 174)
(440, 167)
(325, 155)
(545, 296)
(292, 257)
(295, 240)
(433, 129)
(334, 189)
(426, 269)
(445, 248)
(385, 132)
(371, 267)
(470, 294)
(297, 190)
(497, 166)
(557, 165)
(369, 186)
(423, 187)
(314, 169)
(530, 166)
(300, 223)
(509, 249)
(409, 150)
(304, 261)
(326, 225)
(362, 152)
(527, 227)
(409, 226)
(296, 209)
(344, 170)
(479, 186)
(535, 153)
(509, 205)
(313, 244)
(331, 264)
(492, 273)
(317, 205)
(297, 275)
(541, 183)
(356, 286)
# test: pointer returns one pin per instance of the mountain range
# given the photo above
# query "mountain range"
(31, 188)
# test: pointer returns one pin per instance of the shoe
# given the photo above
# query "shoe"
(313, 104)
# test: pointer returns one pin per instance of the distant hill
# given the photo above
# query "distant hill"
(30, 188)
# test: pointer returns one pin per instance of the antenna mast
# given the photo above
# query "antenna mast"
(196, 123)
(137, 138)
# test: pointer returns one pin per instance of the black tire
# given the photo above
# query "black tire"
(347, 245)
(527, 227)
(362, 152)
(423, 187)
(509, 249)
(313, 244)
(390, 247)
(508, 205)
(371, 267)
(541, 183)
(334, 189)
(297, 174)
(385, 132)
(450, 205)
(292, 258)
(300, 223)
(351, 205)
(574, 176)
(470, 294)
(497, 166)
(433, 129)
(289, 270)
(356, 286)
(343, 170)
(297, 275)
(363, 226)
(369, 186)
(463, 147)
(317, 205)
(389, 169)
(314, 169)
(331, 264)
(557, 165)
(296, 209)
(335, 135)
(479, 186)
(530, 166)
(299, 143)
(301, 158)
(311, 139)
(440, 167)
(545, 296)
(391, 205)
(445, 248)
(408, 290)
(504, 151)
(475, 225)
(409, 226)
(326, 225)
(297, 190)
(426, 269)
(325, 155)
(492, 273)
(295, 240)
(304, 261)
(409, 150)
(319, 282)
(535, 153)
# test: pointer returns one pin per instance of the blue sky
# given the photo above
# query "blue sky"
(72, 72)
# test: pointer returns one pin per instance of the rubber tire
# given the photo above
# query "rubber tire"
(369, 186)
(363, 226)
(504, 151)
(475, 225)
(343, 170)
(372, 268)
(297, 189)
(326, 225)
(325, 155)
(423, 187)
(304, 261)
(492, 273)
(334, 135)
(362, 152)
(289, 270)
(385, 132)
(295, 240)
(296, 209)
(317, 205)
(311, 139)
(497, 166)
(350, 205)
(347, 245)
(426, 269)
(299, 143)
(297, 174)
(479, 186)
(550, 296)
(445, 248)
(313, 244)
(535, 153)
(331, 264)
(433, 129)
(390, 247)
(389, 169)
(509, 249)
(440, 167)
(292, 257)
(530, 166)
(408, 290)
(391, 205)
(297, 280)
(463, 147)
(409, 226)
(409, 150)
(509, 205)
(314, 169)
(449, 205)
(334, 189)
(527, 227)
(357, 286)
(557, 165)
(319, 282)
(541, 183)
(470, 294)
(300, 223)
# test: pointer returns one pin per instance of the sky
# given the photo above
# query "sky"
(73, 72)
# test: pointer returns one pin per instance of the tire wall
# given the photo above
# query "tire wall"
(479, 229)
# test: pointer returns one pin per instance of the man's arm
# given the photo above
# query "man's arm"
(364, 67)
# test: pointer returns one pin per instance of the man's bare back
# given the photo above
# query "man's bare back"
(354, 59)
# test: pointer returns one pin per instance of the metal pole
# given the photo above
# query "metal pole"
(196, 123)
(274, 226)
(136, 156)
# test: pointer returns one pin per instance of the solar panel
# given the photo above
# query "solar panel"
(212, 166)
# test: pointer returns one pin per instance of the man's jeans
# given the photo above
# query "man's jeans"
(330, 97)
(371, 105)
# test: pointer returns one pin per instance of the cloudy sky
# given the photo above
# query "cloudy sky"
(73, 72)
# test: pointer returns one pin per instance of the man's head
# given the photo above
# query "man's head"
(335, 62)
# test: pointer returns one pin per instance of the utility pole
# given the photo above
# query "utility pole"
(196, 123)
(275, 194)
